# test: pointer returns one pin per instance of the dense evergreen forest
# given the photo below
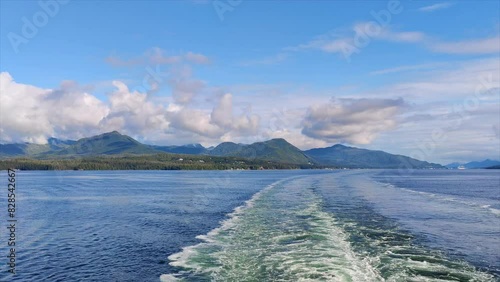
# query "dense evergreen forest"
(145, 162)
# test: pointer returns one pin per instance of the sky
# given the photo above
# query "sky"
(418, 78)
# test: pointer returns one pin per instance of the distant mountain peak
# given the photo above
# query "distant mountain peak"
(114, 132)
(340, 146)
(279, 140)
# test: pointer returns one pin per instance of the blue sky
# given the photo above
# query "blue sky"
(254, 70)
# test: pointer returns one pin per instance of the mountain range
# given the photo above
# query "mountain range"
(274, 150)
(344, 156)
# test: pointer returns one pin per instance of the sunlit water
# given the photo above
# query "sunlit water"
(358, 225)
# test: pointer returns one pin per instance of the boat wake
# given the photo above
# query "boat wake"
(284, 233)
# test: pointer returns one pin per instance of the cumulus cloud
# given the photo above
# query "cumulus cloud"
(223, 116)
(196, 121)
(219, 123)
(133, 113)
(356, 121)
(32, 114)
(71, 112)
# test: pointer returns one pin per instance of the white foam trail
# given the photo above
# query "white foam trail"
(495, 211)
(283, 234)
(181, 258)
(168, 278)
(321, 251)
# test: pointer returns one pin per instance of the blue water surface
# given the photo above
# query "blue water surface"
(143, 225)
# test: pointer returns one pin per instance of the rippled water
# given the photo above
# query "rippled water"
(362, 225)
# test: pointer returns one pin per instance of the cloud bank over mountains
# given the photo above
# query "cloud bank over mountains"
(71, 111)
(459, 99)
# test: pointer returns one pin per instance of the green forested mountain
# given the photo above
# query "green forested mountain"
(351, 157)
(278, 150)
(22, 149)
(111, 143)
(30, 149)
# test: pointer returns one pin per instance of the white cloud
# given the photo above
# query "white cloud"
(131, 112)
(450, 82)
(490, 45)
(330, 43)
(406, 68)
(32, 114)
(223, 116)
(196, 58)
(375, 31)
(184, 86)
(220, 122)
(70, 112)
(406, 36)
(350, 40)
(158, 56)
(459, 99)
(434, 7)
(195, 121)
(356, 121)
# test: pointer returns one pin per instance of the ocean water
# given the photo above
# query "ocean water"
(317, 225)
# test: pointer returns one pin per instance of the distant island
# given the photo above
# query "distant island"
(115, 151)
